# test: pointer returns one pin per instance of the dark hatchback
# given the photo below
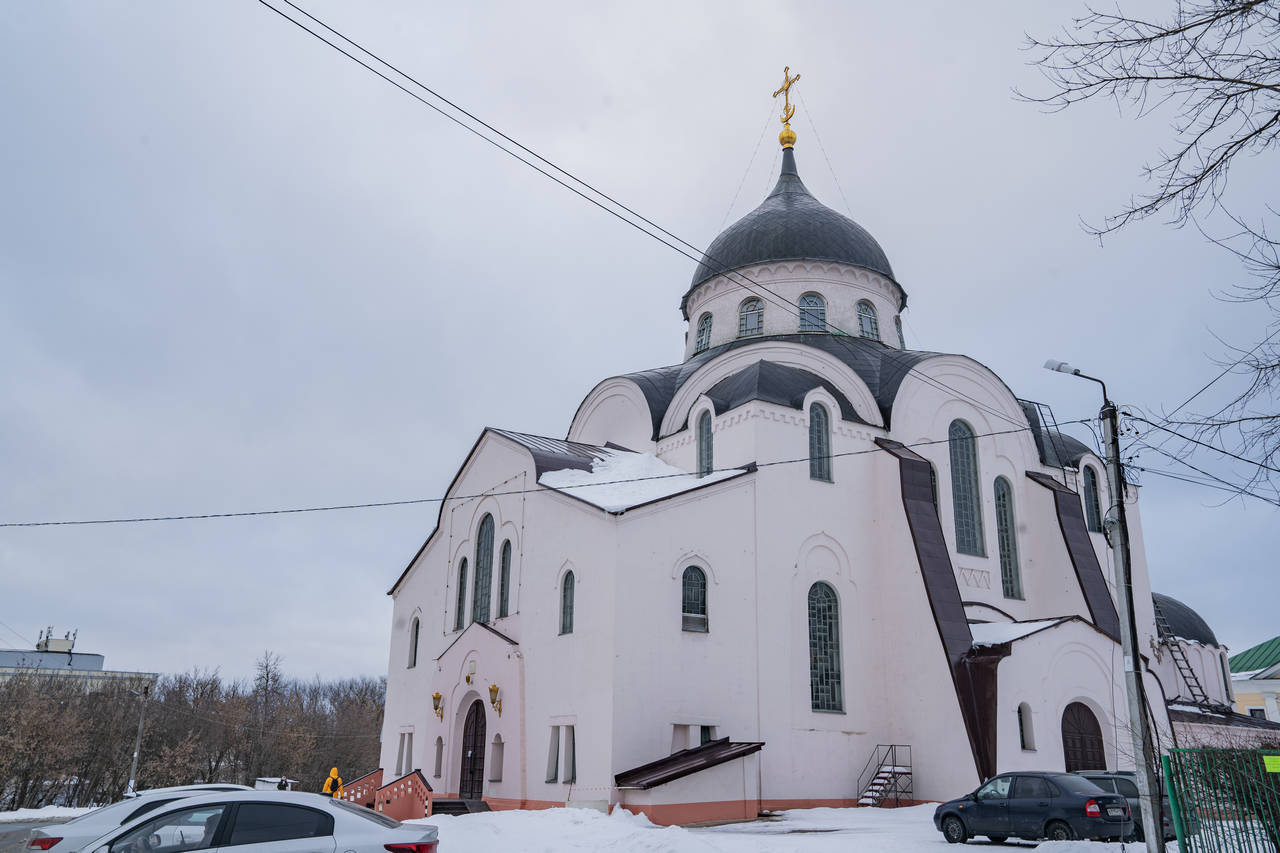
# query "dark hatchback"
(1035, 805)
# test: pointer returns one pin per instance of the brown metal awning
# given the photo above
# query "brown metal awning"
(684, 763)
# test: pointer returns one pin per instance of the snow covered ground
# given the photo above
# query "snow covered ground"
(59, 813)
(907, 830)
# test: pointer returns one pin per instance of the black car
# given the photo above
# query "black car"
(1035, 805)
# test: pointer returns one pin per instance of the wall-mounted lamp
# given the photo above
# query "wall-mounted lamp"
(494, 700)
(435, 705)
(471, 670)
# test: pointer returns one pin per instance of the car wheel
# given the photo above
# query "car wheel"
(998, 839)
(1059, 831)
(953, 830)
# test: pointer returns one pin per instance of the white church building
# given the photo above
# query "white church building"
(737, 581)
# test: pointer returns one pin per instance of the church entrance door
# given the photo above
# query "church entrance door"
(471, 784)
(1082, 739)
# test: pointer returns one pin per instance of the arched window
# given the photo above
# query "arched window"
(703, 338)
(460, 612)
(897, 325)
(693, 607)
(1006, 537)
(1026, 734)
(705, 459)
(1092, 506)
(819, 443)
(566, 604)
(482, 589)
(813, 313)
(868, 325)
(414, 629)
(964, 489)
(750, 318)
(825, 691)
(504, 580)
(495, 759)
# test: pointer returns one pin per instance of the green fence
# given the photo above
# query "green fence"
(1224, 800)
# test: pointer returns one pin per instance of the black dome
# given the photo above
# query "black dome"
(792, 225)
(1182, 620)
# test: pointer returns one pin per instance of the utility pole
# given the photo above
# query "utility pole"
(137, 742)
(1117, 525)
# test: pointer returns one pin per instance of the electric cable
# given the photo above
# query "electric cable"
(1231, 486)
(1205, 444)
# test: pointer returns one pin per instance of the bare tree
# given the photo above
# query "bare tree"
(1215, 64)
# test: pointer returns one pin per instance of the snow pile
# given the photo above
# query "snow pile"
(59, 813)
(995, 633)
(621, 480)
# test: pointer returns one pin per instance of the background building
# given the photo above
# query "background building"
(56, 658)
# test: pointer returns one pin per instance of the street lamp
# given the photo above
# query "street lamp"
(1117, 522)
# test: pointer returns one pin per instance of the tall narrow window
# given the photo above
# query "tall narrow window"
(460, 612)
(703, 338)
(439, 757)
(482, 589)
(495, 759)
(750, 318)
(504, 580)
(813, 313)
(400, 756)
(819, 443)
(705, 459)
(414, 629)
(1092, 506)
(868, 324)
(566, 604)
(1007, 538)
(553, 755)
(1026, 734)
(693, 607)
(897, 325)
(408, 753)
(825, 692)
(570, 767)
(964, 489)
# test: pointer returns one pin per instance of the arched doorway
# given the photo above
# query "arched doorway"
(471, 781)
(1082, 739)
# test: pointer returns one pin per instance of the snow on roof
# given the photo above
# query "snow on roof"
(619, 480)
(995, 633)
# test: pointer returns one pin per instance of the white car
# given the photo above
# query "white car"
(265, 822)
(71, 836)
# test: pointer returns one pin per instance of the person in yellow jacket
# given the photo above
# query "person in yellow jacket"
(333, 784)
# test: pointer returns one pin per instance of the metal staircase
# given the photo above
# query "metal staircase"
(1170, 641)
(885, 779)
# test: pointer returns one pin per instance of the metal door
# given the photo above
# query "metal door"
(471, 784)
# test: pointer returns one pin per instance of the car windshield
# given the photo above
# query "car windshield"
(368, 814)
(1077, 784)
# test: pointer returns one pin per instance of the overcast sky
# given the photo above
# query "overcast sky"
(240, 272)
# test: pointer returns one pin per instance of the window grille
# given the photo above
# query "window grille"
(751, 318)
(868, 324)
(483, 586)
(819, 443)
(705, 458)
(693, 609)
(703, 339)
(897, 325)
(813, 313)
(504, 580)
(566, 604)
(825, 690)
(1092, 506)
(414, 629)
(1006, 537)
(964, 489)
(460, 612)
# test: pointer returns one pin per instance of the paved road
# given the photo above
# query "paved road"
(12, 833)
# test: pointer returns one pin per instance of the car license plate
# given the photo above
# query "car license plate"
(1111, 812)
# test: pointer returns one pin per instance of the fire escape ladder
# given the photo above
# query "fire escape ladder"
(1198, 696)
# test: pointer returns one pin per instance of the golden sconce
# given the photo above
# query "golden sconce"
(435, 705)
(494, 701)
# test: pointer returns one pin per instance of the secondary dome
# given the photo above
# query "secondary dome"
(792, 225)
(1183, 621)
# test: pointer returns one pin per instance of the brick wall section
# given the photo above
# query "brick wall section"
(364, 790)
(406, 798)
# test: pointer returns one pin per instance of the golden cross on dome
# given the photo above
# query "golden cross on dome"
(788, 110)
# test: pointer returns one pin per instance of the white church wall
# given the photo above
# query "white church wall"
(615, 411)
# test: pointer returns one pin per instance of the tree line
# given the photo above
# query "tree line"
(63, 744)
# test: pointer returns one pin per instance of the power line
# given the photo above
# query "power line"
(6, 626)
(735, 277)
(1224, 372)
(411, 501)
(1231, 486)
(1210, 446)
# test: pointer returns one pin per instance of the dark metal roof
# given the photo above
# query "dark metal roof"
(683, 763)
(879, 365)
(1056, 449)
(1221, 717)
(790, 224)
(1183, 621)
(774, 383)
(555, 454)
